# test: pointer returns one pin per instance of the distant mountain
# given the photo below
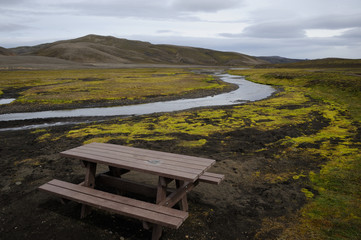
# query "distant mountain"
(6, 52)
(325, 62)
(279, 60)
(107, 49)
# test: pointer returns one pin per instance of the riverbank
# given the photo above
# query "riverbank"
(246, 91)
(44, 90)
(271, 151)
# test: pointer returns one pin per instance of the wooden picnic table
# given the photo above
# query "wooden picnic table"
(186, 171)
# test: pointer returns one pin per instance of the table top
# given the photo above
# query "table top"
(170, 165)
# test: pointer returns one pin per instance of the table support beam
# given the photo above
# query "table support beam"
(161, 196)
(179, 195)
(89, 182)
(183, 203)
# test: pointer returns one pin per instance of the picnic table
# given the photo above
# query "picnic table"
(186, 171)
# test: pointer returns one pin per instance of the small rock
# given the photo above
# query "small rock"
(18, 183)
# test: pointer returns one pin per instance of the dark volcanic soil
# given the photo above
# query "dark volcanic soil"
(236, 209)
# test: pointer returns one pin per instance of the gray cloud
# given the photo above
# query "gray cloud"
(204, 5)
(354, 33)
(141, 8)
(11, 2)
(334, 21)
(82, 8)
(11, 27)
(166, 31)
(273, 27)
(297, 48)
(171, 9)
(274, 30)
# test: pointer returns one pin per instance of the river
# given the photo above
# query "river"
(247, 91)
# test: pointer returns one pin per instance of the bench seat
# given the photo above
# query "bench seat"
(212, 178)
(144, 211)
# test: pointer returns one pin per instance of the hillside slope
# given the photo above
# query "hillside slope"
(101, 49)
(323, 63)
(6, 52)
(279, 60)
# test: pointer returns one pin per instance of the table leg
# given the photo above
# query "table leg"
(157, 232)
(183, 203)
(161, 189)
(89, 182)
(161, 195)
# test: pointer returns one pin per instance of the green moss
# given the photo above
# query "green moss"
(335, 212)
(307, 193)
(69, 86)
(198, 143)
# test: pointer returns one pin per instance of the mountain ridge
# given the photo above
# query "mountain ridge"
(108, 49)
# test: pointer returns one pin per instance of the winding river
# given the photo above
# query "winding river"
(247, 91)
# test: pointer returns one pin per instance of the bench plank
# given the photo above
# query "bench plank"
(212, 178)
(145, 211)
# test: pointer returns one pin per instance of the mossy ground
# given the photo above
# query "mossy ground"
(68, 88)
(292, 163)
(335, 212)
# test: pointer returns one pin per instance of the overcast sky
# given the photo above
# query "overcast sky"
(289, 28)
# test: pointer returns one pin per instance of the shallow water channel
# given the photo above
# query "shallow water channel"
(247, 91)
(6, 100)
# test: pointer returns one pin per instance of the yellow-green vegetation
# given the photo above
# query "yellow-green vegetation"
(342, 86)
(335, 213)
(263, 115)
(71, 86)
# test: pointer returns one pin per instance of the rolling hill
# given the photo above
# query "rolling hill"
(107, 49)
(6, 52)
(279, 60)
(323, 63)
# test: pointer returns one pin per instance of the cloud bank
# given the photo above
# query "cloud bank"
(295, 29)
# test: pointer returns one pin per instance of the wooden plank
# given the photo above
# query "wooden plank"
(212, 178)
(140, 157)
(146, 162)
(184, 202)
(89, 182)
(129, 207)
(146, 152)
(112, 206)
(133, 166)
(178, 195)
(215, 175)
(117, 198)
(127, 185)
(161, 189)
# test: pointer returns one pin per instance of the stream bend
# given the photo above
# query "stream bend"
(247, 91)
